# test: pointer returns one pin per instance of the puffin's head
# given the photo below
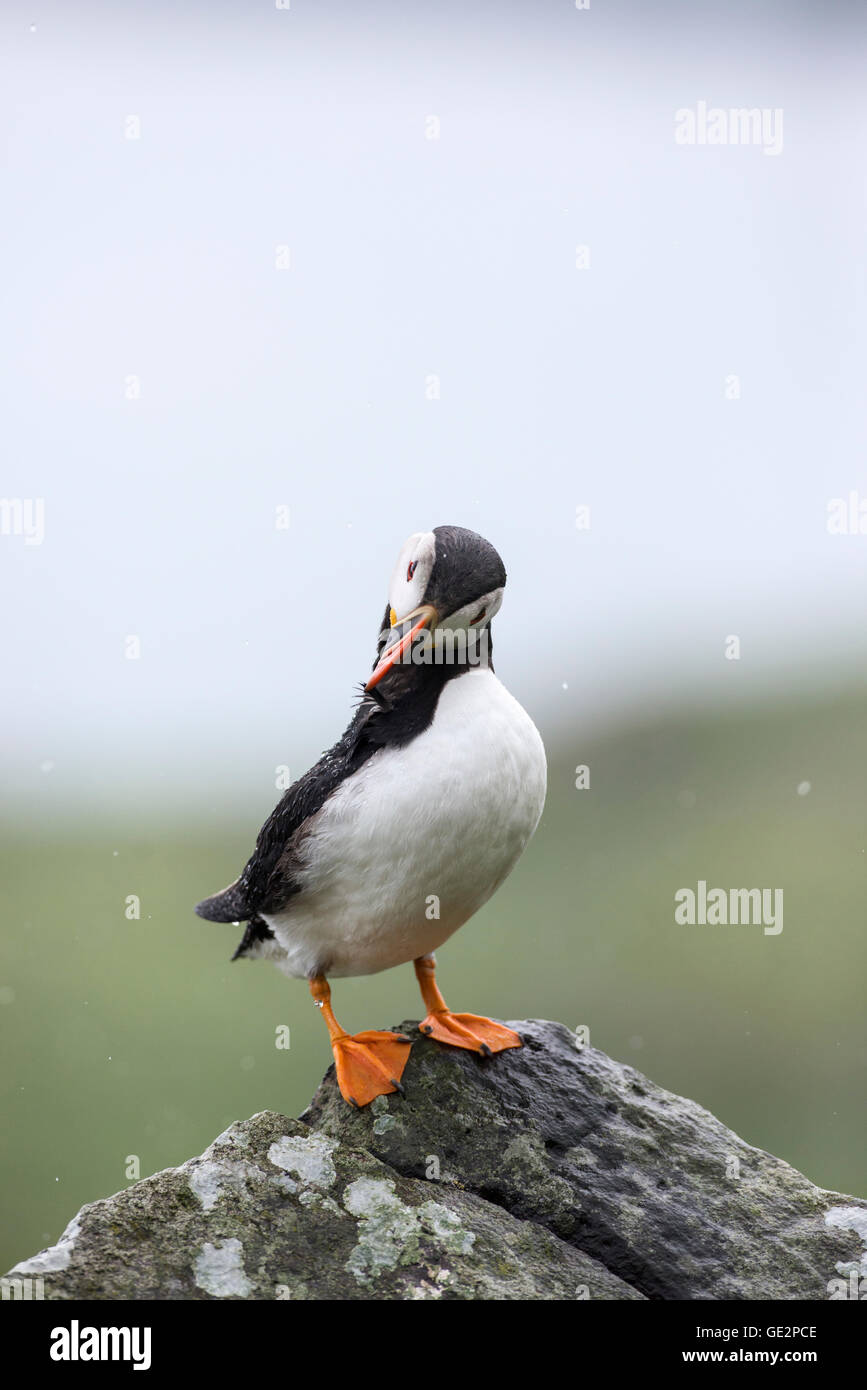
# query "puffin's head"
(448, 579)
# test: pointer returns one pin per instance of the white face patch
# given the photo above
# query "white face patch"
(410, 575)
(474, 614)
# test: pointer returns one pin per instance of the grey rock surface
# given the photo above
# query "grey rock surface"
(545, 1173)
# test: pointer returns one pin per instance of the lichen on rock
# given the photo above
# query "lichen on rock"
(542, 1173)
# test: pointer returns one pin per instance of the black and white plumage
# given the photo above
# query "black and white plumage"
(412, 820)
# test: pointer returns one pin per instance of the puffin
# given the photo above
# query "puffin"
(410, 822)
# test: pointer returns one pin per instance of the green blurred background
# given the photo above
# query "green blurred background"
(139, 1038)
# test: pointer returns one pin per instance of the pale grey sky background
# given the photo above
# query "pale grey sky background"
(306, 387)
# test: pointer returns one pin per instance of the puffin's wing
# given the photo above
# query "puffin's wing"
(267, 882)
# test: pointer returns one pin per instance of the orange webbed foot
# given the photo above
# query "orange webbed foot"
(369, 1065)
(458, 1030)
(470, 1031)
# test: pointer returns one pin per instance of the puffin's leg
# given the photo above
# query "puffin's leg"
(460, 1030)
(368, 1064)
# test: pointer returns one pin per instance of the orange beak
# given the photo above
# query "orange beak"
(402, 638)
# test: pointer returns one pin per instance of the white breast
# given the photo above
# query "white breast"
(411, 845)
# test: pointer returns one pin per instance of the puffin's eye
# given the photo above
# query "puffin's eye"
(410, 571)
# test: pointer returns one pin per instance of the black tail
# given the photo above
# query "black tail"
(257, 932)
(228, 906)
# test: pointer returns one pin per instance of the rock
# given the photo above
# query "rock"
(544, 1173)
